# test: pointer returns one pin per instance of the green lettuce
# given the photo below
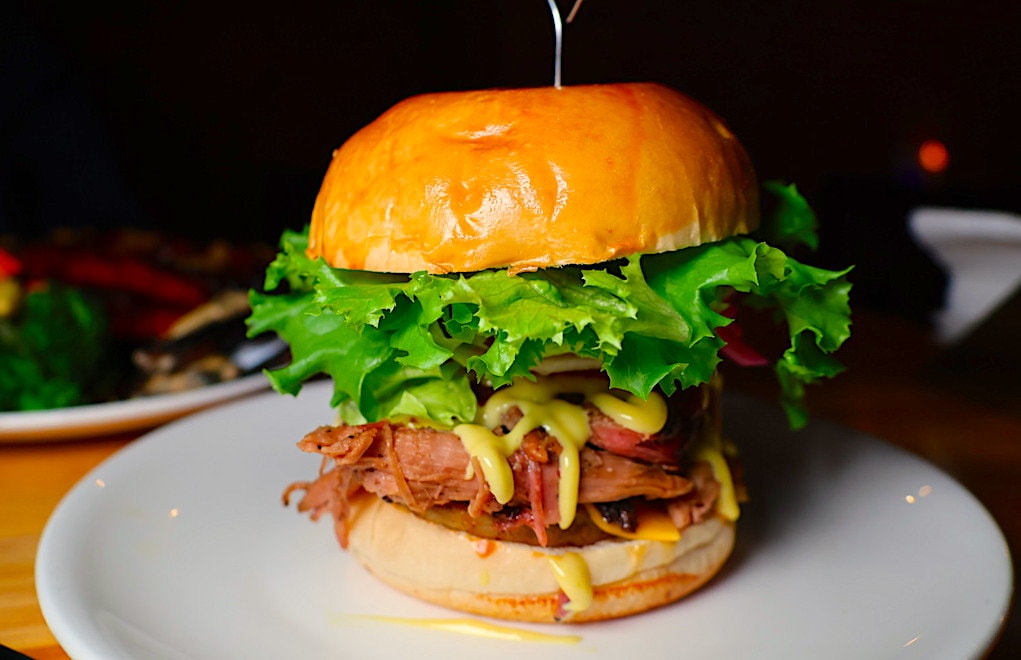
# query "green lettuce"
(791, 221)
(414, 344)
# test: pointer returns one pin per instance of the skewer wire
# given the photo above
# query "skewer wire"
(558, 41)
(558, 35)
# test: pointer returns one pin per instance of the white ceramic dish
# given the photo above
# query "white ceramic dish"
(119, 416)
(179, 547)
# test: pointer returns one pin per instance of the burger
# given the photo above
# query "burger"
(522, 297)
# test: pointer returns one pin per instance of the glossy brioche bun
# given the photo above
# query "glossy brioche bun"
(531, 178)
(515, 581)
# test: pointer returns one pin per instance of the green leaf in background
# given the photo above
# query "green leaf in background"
(52, 352)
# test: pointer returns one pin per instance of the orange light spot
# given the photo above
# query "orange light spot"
(483, 547)
(933, 156)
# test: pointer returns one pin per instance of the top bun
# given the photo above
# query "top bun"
(532, 178)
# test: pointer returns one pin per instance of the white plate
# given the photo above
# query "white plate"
(119, 416)
(179, 547)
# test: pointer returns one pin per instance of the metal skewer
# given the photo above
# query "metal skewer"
(558, 41)
(558, 35)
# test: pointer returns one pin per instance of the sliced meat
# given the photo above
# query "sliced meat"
(687, 412)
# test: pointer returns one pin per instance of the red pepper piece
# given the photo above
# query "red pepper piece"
(130, 275)
(736, 349)
(9, 264)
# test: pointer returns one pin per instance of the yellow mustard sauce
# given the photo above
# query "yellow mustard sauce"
(572, 575)
(476, 628)
(726, 504)
(566, 421)
(632, 412)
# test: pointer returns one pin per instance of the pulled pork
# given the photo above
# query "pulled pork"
(426, 468)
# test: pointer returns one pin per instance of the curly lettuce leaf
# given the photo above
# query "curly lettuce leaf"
(791, 221)
(414, 345)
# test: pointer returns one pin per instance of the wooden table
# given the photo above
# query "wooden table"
(890, 390)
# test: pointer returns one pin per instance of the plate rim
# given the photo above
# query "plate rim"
(90, 420)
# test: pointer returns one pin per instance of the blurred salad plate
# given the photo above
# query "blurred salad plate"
(104, 335)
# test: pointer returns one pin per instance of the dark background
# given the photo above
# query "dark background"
(218, 120)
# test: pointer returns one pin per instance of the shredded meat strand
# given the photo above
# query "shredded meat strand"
(477, 505)
(538, 461)
(699, 504)
(397, 470)
(330, 493)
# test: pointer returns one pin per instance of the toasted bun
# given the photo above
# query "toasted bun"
(531, 178)
(515, 581)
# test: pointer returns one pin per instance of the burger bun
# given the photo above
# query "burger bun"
(532, 178)
(515, 581)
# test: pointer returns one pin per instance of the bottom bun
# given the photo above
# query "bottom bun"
(516, 581)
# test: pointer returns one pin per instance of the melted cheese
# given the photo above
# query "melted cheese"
(541, 408)
(652, 526)
(572, 575)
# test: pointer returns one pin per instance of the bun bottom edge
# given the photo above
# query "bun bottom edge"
(435, 566)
